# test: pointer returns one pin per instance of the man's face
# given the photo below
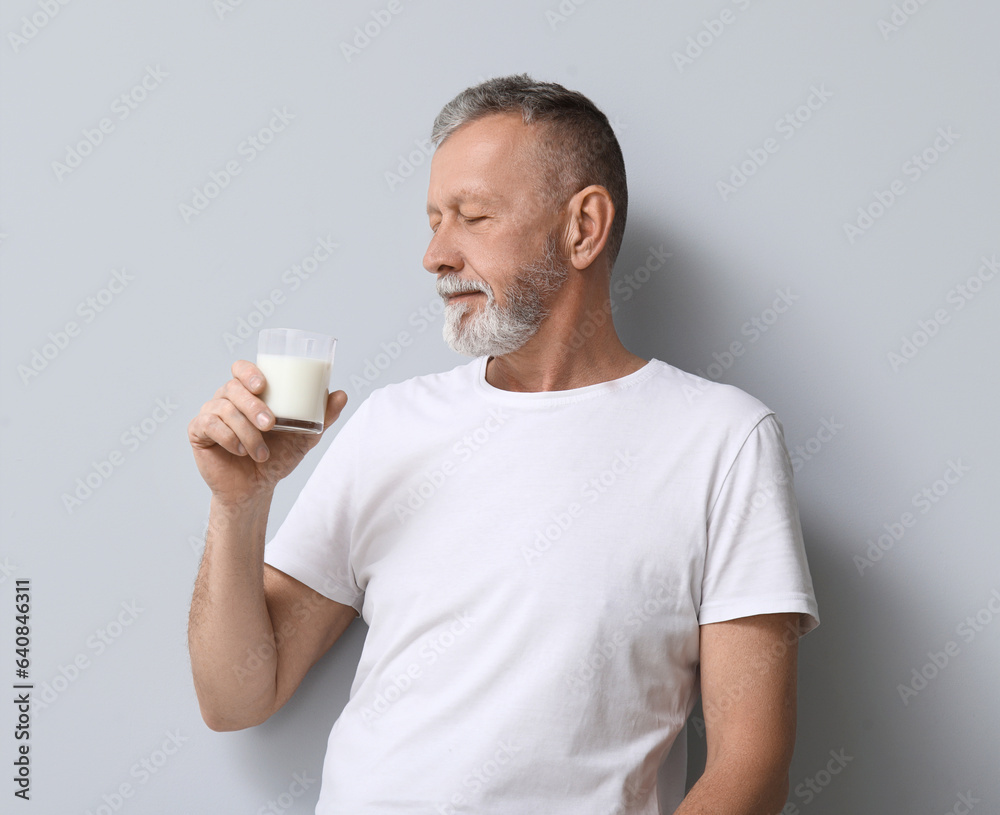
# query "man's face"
(495, 249)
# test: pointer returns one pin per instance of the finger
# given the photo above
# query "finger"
(249, 405)
(246, 433)
(198, 432)
(335, 404)
(221, 423)
(217, 432)
(249, 374)
(208, 430)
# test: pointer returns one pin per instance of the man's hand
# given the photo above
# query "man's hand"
(238, 603)
(235, 457)
(748, 687)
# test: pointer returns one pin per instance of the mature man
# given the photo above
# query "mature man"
(555, 546)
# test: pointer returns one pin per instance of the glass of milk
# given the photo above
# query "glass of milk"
(296, 366)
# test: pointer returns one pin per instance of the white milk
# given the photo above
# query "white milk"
(296, 386)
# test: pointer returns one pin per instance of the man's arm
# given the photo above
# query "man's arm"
(253, 632)
(748, 687)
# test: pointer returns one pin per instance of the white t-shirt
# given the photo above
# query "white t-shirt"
(533, 568)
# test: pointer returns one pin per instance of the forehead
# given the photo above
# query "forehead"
(485, 161)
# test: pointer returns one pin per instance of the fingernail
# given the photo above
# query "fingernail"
(262, 420)
(255, 382)
(241, 450)
(262, 453)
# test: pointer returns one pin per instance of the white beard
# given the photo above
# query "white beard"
(497, 330)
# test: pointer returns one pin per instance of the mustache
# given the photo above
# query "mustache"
(449, 285)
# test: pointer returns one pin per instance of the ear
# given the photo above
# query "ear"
(589, 215)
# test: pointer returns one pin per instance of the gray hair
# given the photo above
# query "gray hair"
(577, 145)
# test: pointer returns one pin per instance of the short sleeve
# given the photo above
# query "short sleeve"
(313, 543)
(755, 561)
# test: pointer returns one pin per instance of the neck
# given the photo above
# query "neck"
(575, 346)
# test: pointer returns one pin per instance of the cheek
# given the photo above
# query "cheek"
(508, 249)
(487, 256)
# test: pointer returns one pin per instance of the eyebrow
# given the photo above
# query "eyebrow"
(465, 195)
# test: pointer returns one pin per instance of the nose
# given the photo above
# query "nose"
(442, 254)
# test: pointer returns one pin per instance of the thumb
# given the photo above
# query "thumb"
(335, 403)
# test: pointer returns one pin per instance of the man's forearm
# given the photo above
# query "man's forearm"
(731, 790)
(229, 621)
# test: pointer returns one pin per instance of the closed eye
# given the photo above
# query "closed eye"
(466, 218)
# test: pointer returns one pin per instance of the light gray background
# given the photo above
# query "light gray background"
(137, 538)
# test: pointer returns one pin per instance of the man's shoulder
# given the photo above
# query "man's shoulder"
(446, 384)
(700, 397)
(659, 387)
